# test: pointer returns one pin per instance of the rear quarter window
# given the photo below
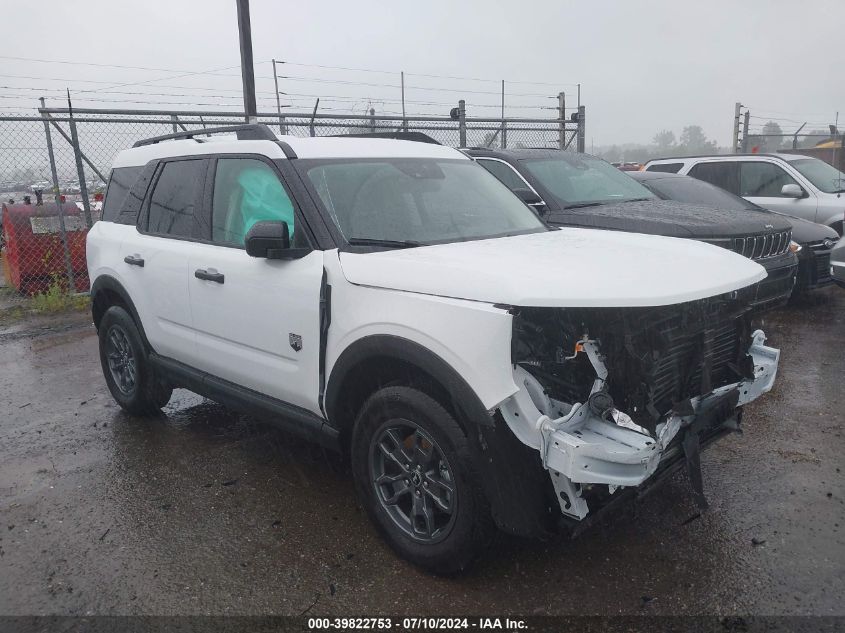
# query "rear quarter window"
(666, 168)
(121, 181)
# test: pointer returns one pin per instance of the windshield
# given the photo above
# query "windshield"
(583, 180)
(414, 201)
(686, 189)
(826, 177)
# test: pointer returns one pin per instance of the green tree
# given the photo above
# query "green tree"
(664, 141)
(694, 141)
(769, 140)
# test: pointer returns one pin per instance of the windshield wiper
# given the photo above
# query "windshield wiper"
(581, 205)
(371, 241)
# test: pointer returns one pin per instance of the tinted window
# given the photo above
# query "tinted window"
(582, 180)
(825, 177)
(759, 179)
(724, 174)
(120, 182)
(685, 189)
(247, 191)
(503, 172)
(417, 199)
(171, 210)
(668, 168)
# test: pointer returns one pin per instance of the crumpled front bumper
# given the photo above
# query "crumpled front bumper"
(581, 447)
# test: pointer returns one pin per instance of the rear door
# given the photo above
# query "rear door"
(761, 182)
(723, 174)
(256, 320)
(155, 257)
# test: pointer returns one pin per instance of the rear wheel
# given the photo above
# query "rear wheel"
(414, 474)
(126, 368)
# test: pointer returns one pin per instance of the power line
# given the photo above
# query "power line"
(396, 87)
(396, 72)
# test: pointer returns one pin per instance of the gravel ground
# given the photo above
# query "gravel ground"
(203, 511)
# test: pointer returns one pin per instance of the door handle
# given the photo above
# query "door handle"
(134, 260)
(207, 276)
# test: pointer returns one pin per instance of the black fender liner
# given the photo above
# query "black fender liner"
(518, 488)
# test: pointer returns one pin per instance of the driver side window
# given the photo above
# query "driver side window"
(764, 180)
(246, 191)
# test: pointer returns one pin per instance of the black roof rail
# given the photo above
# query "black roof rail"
(419, 137)
(244, 132)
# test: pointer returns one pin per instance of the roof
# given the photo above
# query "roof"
(653, 175)
(304, 147)
(521, 153)
(671, 159)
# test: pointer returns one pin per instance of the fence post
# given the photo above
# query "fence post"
(174, 119)
(504, 134)
(737, 107)
(372, 120)
(313, 115)
(561, 114)
(462, 123)
(80, 172)
(582, 129)
(58, 196)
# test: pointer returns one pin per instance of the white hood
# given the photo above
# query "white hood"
(566, 268)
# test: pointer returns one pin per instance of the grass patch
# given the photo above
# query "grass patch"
(58, 299)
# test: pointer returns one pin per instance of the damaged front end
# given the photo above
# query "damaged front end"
(608, 394)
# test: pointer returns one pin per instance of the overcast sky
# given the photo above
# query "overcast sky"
(642, 66)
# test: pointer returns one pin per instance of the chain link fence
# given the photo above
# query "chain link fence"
(54, 168)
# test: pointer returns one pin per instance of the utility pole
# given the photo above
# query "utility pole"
(404, 120)
(561, 114)
(737, 107)
(247, 70)
(282, 126)
(745, 120)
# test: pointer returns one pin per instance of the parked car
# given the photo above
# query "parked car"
(837, 263)
(572, 189)
(392, 300)
(815, 240)
(796, 185)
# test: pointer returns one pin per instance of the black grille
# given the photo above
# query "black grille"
(821, 260)
(762, 246)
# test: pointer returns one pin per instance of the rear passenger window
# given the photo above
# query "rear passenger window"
(173, 200)
(666, 168)
(764, 180)
(503, 172)
(722, 174)
(120, 182)
(247, 191)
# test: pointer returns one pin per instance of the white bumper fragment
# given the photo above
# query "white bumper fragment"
(578, 446)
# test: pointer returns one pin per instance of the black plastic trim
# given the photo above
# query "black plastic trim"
(245, 132)
(106, 282)
(281, 414)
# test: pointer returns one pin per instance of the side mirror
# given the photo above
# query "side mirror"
(528, 197)
(792, 191)
(270, 240)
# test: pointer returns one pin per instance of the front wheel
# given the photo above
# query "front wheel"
(414, 474)
(126, 368)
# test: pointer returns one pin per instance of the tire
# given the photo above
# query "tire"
(126, 368)
(408, 442)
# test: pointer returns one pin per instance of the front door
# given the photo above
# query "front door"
(761, 183)
(256, 320)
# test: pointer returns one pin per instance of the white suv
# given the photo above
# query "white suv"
(394, 300)
(800, 186)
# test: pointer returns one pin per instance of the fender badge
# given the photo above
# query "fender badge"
(295, 342)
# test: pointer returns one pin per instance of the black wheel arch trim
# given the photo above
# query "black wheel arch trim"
(109, 283)
(402, 349)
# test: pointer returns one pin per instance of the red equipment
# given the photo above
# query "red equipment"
(33, 252)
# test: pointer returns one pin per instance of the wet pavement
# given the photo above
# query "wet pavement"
(203, 511)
